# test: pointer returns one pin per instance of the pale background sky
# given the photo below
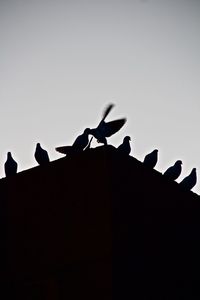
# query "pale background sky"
(62, 62)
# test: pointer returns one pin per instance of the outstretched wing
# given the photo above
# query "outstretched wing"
(113, 126)
(106, 112)
(64, 149)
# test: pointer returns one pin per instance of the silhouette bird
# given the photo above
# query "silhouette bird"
(151, 159)
(41, 155)
(189, 181)
(79, 144)
(125, 147)
(174, 171)
(10, 165)
(106, 129)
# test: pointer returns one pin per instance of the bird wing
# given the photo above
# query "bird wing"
(113, 126)
(169, 171)
(107, 110)
(64, 149)
(46, 155)
(81, 142)
(78, 141)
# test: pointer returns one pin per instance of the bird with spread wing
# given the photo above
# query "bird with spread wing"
(101, 132)
(107, 129)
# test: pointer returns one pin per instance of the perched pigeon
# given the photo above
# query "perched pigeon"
(106, 129)
(41, 155)
(174, 171)
(125, 147)
(10, 165)
(151, 159)
(189, 182)
(79, 144)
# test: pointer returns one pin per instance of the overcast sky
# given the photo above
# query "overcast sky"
(62, 62)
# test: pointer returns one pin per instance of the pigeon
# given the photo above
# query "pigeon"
(151, 159)
(106, 129)
(189, 181)
(174, 171)
(41, 155)
(79, 144)
(125, 147)
(10, 165)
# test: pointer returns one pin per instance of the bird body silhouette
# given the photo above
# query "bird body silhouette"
(174, 171)
(151, 159)
(125, 147)
(106, 129)
(41, 155)
(79, 144)
(10, 165)
(189, 181)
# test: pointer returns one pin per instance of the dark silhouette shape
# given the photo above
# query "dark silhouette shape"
(106, 129)
(125, 147)
(189, 181)
(174, 171)
(79, 144)
(89, 144)
(151, 159)
(41, 155)
(100, 226)
(10, 165)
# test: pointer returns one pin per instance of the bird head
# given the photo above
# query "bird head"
(127, 138)
(178, 162)
(38, 145)
(87, 131)
(9, 154)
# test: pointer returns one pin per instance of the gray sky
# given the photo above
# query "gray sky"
(62, 62)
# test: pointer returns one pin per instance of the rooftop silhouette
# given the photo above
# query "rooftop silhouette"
(99, 224)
